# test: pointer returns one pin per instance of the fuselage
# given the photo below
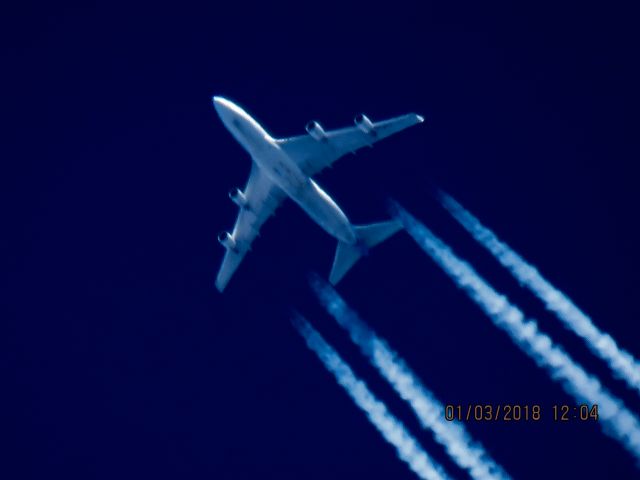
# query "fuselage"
(284, 172)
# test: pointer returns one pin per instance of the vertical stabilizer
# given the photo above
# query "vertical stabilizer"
(368, 236)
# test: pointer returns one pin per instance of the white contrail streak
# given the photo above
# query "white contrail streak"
(622, 363)
(390, 427)
(616, 420)
(467, 454)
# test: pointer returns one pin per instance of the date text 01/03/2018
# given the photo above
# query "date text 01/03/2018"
(520, 412)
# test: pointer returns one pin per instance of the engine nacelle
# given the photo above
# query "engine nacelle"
(316, 131)
(364, 124)
(238, 197)
(226, 240)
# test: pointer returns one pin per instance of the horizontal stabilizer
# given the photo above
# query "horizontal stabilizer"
(375, 233)
(368, 236)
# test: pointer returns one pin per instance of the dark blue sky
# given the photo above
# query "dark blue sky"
(121, 360)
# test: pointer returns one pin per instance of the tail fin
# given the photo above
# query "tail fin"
(368, 237)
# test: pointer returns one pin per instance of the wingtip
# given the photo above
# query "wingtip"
(420, 118)
(393, 207)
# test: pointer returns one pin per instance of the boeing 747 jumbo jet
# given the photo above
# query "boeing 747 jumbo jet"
(282, 168)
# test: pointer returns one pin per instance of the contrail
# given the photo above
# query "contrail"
(622, 363)
(389, 426)
(616, 420)
(430, 412)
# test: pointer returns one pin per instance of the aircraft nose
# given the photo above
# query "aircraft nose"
(221, 104)
(227, 110)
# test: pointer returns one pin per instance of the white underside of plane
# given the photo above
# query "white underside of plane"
(282, 168)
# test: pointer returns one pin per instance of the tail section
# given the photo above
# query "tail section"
(368, 237)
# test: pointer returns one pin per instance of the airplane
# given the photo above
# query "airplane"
(282, 168)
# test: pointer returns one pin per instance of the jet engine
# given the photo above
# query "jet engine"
(226, 240)
(316, 131)
(364, 124)
(238, 197)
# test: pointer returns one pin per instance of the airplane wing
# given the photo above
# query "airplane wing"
(262, 198)
(315, 154)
